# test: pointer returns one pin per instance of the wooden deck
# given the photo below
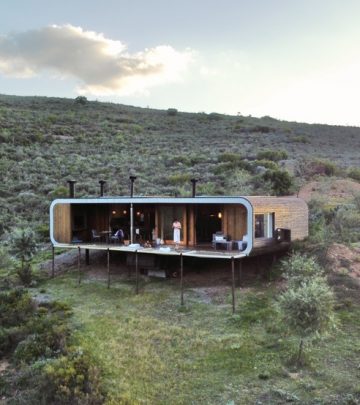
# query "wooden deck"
(197, 251)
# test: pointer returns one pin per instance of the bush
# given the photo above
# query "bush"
(346, 224)
(49, 331)
(321, 167)
(81, 100)
(354, 173)
(23, 246)
(5, 261)
(299, 269)
(16, 306)
(273, 155)
(179, 179)
(281, 181)
(25, 274)
(263, 129)
(172, 112)
(268, 164)
(307, 307)
(71, 379)
(307, 310)
(229, 157)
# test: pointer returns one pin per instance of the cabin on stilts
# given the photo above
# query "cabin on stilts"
(212, 227)
(231, 228)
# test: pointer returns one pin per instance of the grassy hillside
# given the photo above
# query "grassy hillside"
(45, 141)
(146, 348)
(153, 351)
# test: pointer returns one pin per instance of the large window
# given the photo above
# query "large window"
(168, 215)
(264, 225)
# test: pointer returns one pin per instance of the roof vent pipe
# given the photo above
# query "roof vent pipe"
(132, 179)
(71, 188)
(102, 182)
(194, 181)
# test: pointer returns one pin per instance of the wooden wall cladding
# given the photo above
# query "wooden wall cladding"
(62, 223)
(234, 221)
(290, 212)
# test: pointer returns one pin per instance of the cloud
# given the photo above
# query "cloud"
(101, 65)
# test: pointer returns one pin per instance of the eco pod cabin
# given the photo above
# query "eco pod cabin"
(213, 227)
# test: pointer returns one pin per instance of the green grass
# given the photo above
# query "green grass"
(155, 352)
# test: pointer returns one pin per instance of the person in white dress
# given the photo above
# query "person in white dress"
(176, 226)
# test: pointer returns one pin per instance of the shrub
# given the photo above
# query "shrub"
(281, 181)
(59, 192)
(346, 224)
(25, 274)
(49, 331)
(301, 139)
(229, 157)
(260, 128)
(71, 379)
(274, 155)
(268, 164)
(354, 173)
(172, 112)
(81, 100)
(15, 307)
(300, 269)
(4, 258)
(23, 246)
(321, 167)
(215, 116)
(43, 231)
(179, 178)
(307, 310)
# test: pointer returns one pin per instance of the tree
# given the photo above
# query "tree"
(23, 247)
(280, 180)
(308, 310)
(300, 269)
(81, 100)
(307, 306)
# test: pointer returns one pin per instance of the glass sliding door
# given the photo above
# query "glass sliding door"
(167, 215)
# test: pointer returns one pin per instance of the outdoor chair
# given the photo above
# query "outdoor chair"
(242, 244)
(95, 237)
(118, 236)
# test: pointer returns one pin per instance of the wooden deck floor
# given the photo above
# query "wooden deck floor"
(204, 251)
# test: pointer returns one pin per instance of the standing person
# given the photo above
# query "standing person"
(176, 226)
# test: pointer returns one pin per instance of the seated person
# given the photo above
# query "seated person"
(118, 236)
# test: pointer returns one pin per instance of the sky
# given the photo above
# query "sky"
(289, 59)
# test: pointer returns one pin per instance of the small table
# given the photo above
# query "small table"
(106, 234)
(228, 244)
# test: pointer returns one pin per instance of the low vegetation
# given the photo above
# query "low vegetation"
(293, 339)
(307, 306)
(45, 366)
(46, 141)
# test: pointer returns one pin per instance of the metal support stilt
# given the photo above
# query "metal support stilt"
(181, 279)
(233, 283)
(108, 268)
(240, 273)
(53, 261)
(87, 257)
(137, 272)
(79, 264)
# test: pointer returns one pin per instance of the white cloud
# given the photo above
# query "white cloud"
(101, 65)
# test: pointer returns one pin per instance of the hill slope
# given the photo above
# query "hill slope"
(45, 141)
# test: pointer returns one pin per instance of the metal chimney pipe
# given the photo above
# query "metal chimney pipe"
(102, 182)
(194, 181)
(71, 188)
(132, 179)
